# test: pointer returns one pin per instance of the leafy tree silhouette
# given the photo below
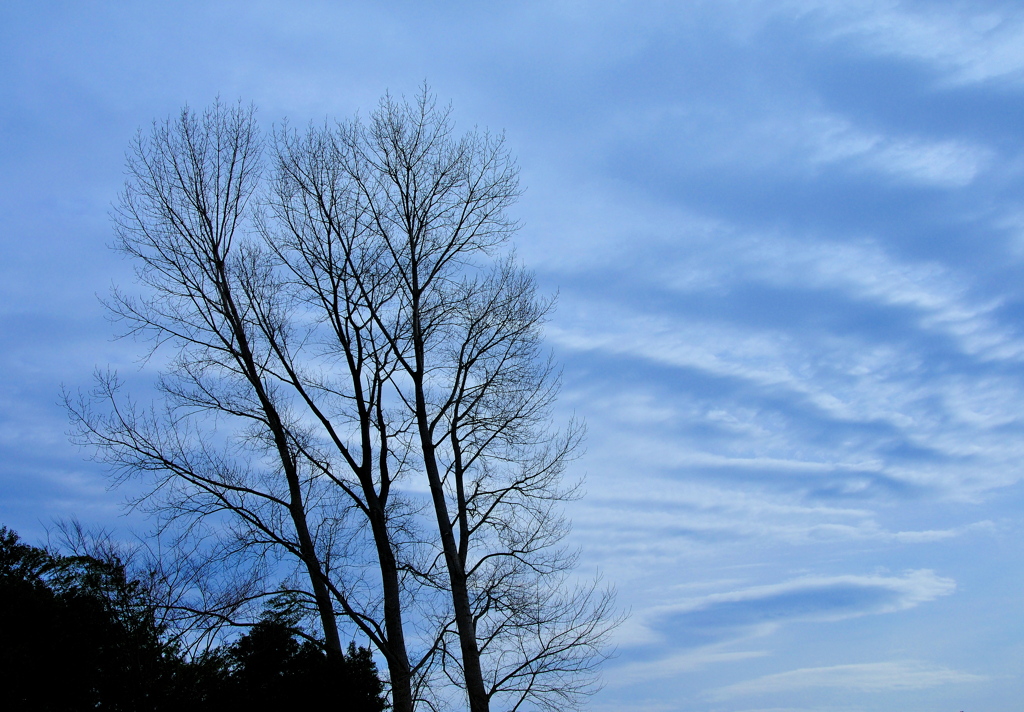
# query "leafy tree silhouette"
(271, 667)
(77, 633)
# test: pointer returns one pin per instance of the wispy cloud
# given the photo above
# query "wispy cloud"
(894, 351)
(943, 163)
(673, 665)
(796, 138)
(969, 43)
(686, 633)
(699, 514)
(797, 141)
(866, 677)
(695, 632)
(844, 378)
(761, 609)
(865, 272)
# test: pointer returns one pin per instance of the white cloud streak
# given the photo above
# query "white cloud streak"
(946, 163)
(673, 665)
(903, 592)
(866, 677)
(969, 43)
(854, 378)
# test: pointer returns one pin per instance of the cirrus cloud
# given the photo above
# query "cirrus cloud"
(866, 677)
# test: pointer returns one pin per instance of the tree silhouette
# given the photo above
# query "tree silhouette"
(349, 331)
(273, 667)
(78, 633)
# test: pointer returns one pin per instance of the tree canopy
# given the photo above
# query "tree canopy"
(79, 633)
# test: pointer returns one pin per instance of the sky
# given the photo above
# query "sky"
(787, 240)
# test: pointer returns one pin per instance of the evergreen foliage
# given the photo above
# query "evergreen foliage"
(77, 633)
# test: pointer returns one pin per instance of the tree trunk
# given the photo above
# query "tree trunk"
(397, 656)
(478, 699)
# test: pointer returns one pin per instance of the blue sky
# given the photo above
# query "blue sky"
(787, 239)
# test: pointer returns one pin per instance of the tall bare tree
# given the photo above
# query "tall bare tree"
(463, 326)
(312, 225)
(346, 325)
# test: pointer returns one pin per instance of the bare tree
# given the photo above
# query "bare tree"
(463, 329)
(312, 224)
(345, 325)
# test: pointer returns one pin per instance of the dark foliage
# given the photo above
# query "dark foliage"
(269, 668)
(77, 633)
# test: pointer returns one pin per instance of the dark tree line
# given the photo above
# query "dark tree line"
(79, 633)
